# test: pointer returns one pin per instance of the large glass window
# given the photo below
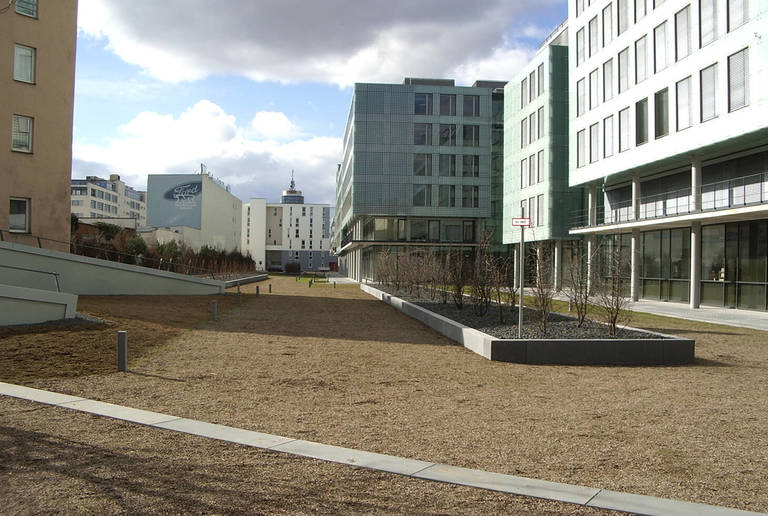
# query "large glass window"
(640, 9)
(18, 216)
(447, 165)
(593, 37)
(540, 81)
(523, 172)
(707, 22)
(470, 166)
(540, 210)
(607, 24)
(684, 117)
(581, 148)
(523, 133)
(661, 113)
(470, 196)
(737, 14)
(683, 33)
(24, 63)
(422, 164)
(471, 105)
(580, 47)
(422, 134)
(608, 136)
(447, 196)
(21, 133)
(532, 127)
(624, 130)
(641, 122)
(608, 80)
(708, 84)
(27, 7)
(622, 20)
(532, 169)
(641, 60)
(448, 134)
(419, 230)
(737, 80)
(447, 104)
(660, 47)
(594, 139)
(623, 70)
(540, 171)
(422, 195)
(471, 136)
(581, 97)
(524, 92)
(594, 95)
(540, 116)
(422, 104)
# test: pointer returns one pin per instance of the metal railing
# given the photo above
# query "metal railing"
(54, 274)
(742, 191)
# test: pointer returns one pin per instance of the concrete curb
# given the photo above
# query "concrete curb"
(586, 496)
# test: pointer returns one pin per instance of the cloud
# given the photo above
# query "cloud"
(271, 124)
(334, 41)
(155, 143)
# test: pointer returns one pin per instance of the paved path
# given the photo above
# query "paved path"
(586, 496)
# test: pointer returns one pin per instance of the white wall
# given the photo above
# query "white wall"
(20, 305)
(253, 231)
(221, 217)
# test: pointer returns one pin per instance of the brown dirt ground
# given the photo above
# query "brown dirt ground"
(339, 367)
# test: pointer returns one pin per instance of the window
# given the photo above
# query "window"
(623, 70)
(607, 24)
(422, 195)
(737, 14)
(524, 173)
(532, 210)
(660, 47)
(639, 10)
(532, 85)
(623, 130)
(608, 136)
(581, 100)
(683, 33)
(579, 47)
(579, 7)
(594, 138)
(532, 169)
(447, 197)
(608, 80)
(707, 22)
(422, 134)
(540, 81)
(21, 133)
(27, 7)
(23, 63)
(540, 166)
(532, 127)
(641, 60)
(708, 106)
(471, 136)
(661, 113)
(594, 95)
(540, 210)
(422, 104)
(470, 196)
(524, 208)
(471, 105)
(447, 165)
(581, 149)
(541, 122)
(524, 92)
(18, 216)
(448, 134)
(447, 104)
(422, 164)
(641, 122)
(622, 21)
(523, 133)
(469, 230)
(737, 80)
(471, 166)
(593, 39)
(303, 244)
(434, 230)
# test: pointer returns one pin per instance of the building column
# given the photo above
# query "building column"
(696, 184)
(591, 258)
(557, 265)
(592, 205)
(635, 259)
(695, 275)
(635, 199)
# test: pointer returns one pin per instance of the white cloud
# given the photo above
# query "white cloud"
(154, 143)
(334, 41)
(273, 125)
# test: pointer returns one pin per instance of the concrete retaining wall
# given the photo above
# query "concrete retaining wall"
(20, 305)
(657, 349)
(91, 276)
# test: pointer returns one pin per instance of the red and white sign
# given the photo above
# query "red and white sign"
(521, 221)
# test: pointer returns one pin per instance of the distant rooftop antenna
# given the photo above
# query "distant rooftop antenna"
(293, 183)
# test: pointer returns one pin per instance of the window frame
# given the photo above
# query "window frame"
(33, 67)
(29, 149)
(27, 212)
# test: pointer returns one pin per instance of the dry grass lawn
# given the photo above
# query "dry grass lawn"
(337, 366)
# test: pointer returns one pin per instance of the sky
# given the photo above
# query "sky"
(257, 88)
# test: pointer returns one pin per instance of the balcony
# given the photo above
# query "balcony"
(722, 195)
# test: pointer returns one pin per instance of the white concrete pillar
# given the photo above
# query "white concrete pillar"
(695, 275)
(557, 265)
(635, 197)
(696, 184)
(592, 205)
(591, 259)
(636, 262)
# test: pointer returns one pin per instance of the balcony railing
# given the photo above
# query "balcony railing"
(731, 193)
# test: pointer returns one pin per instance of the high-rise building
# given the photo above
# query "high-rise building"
(292, 231)
(668, 136)
(95, 199)
(37, 65)
(416, 170)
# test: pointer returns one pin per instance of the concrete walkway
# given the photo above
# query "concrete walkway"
(586, 496)
(708, 314)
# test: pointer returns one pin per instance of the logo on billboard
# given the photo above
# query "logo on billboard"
(185, 195)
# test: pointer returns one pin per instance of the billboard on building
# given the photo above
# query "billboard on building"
(174, 200)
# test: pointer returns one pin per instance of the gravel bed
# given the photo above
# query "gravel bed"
(559, 326)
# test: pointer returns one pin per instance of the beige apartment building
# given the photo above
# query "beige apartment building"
(37, 78)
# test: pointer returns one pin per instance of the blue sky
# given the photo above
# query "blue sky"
(264, 87)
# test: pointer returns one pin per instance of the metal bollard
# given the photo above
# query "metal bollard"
(257, 290)
(239, 296)
(270, 288)
(214, 310)
(334, 284)
(310, 283)
(122, 351)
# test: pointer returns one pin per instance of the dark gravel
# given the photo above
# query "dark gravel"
(559, 326)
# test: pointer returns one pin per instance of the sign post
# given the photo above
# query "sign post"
(522, 223)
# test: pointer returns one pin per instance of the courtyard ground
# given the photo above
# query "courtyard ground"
(336, 366)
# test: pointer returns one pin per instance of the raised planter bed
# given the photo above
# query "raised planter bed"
(638, 348)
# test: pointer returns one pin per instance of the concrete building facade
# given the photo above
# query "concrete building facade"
(37, 66)
(292, 231)
(95, 199)
(416, 170)
(668, 136)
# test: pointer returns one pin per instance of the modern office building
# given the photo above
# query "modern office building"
(536, 153)
(292, 231)
(196, 209)
(37, 65)
(108, 200)
(416, 170)
(669, 136)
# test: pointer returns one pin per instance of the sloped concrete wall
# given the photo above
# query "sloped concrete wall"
(91, 276)
(20, 305)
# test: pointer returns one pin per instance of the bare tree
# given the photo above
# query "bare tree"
(458, 275)
(543, 284)
(612, 298)
(481, 277)
(501, 271)
(577, 283)
(445, 277)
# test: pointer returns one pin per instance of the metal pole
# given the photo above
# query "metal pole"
(522, 283)
(122, 351)
(270, 288)
(214, 310)
(239, 296)
(257, 290)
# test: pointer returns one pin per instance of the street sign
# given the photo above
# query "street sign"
(521, 221)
